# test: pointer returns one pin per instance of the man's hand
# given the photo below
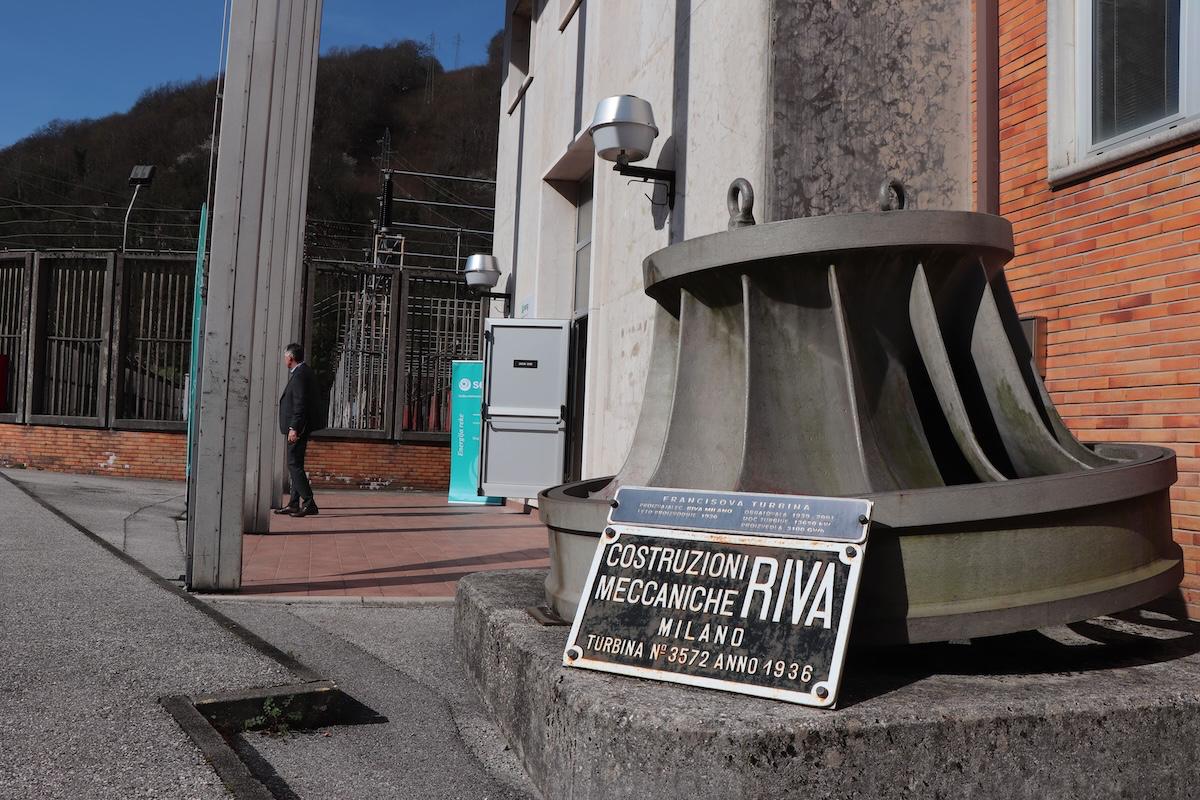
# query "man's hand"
(293, 437)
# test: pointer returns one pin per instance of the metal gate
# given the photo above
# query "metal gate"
(15, 272)
(67, 377)
(95, 338)
(153, 339)
(381, 340)
(351, 340)
(442, 323)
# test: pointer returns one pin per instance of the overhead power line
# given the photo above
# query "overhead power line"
(422, 176)
(76, 185)
(141, 223)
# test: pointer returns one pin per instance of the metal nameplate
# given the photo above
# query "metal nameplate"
(832, 518)
(764, 616)
(525, 363)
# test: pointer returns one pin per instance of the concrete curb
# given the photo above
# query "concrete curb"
(368, 602)
(1082, 728)
(232, 771)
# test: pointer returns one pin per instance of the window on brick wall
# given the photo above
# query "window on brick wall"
(1129, 63)
(1124, 82)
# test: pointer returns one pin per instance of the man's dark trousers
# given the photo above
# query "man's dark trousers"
(301, 488)
(299, 411)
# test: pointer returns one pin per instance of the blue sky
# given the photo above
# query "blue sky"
(72, 59)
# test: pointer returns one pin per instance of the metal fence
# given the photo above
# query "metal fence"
(67, 378)
(381, 340)
(442, 323)
(350, 329)
(154, 338)
(15, 270)
(102, 339)
(95, 338)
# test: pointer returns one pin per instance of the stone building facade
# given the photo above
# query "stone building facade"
(761, 89)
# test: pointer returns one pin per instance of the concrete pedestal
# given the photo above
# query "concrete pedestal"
(1108, 708)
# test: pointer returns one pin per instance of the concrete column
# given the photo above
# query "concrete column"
(864, 91)
(280, 250)
(259, 210)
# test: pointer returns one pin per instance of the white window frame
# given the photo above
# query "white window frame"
(1072, 155)
(524, 14)
(590, 182)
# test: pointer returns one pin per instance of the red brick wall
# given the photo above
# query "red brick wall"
(1113, 263)
(134, 454)
(378, 465)
(142, 454)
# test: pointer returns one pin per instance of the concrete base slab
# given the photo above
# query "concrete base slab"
(1108, 708)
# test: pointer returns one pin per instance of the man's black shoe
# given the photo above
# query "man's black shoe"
(308, 509)
(290, 508)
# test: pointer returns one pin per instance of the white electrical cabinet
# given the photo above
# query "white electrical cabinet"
(524, 406)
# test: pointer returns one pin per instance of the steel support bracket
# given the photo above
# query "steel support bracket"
(665, 177)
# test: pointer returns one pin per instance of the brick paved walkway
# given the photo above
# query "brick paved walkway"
(388, 544)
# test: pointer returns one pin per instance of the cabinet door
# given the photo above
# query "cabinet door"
(524, 406)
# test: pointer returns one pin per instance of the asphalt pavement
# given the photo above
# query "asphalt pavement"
(87, 646)
(88, 643)
(138, 517)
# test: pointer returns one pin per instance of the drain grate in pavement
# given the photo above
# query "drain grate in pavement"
(214, 721)
(304, 706)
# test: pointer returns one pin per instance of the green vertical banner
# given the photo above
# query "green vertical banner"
(466, 432)
(194, 359)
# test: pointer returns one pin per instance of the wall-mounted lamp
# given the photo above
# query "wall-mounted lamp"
(482, 273)
(623, 131)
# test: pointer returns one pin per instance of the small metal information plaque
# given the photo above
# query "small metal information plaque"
(831, 518)
(760, 615)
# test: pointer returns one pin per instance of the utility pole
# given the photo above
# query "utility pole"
(383, 237)
(457, 46)
(385, 149)
(429, 70)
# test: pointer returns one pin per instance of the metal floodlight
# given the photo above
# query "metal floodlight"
(623, 128)
(482, 272)
(623, 131)
(142, 175)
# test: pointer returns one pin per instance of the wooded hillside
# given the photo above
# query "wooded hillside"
(66, 185)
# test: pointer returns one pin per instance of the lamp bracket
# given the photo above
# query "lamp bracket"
(505, 296)
(666, 177)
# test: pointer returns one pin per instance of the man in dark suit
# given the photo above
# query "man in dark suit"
(297, 420)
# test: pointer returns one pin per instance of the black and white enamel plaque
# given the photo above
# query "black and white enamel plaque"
(762, 615)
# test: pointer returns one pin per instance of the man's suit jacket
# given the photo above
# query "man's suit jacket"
(299, 403)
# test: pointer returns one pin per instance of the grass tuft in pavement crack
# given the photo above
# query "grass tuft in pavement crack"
(275, 720)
